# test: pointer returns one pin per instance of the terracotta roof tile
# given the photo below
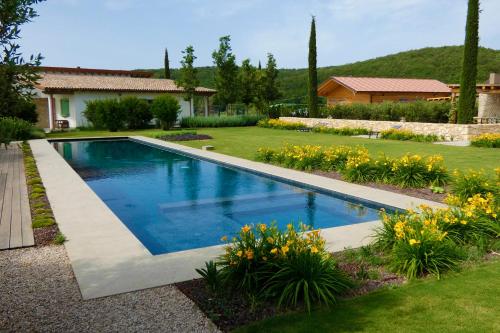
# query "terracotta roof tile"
(75, 82)
(373, 84)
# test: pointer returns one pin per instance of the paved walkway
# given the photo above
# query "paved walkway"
(15, 216)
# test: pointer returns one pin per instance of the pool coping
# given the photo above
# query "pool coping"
(108, 259)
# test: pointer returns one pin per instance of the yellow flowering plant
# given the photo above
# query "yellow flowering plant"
(356, 165)
(246, 256)
(416, 244)
(489, 140)
(467, 184)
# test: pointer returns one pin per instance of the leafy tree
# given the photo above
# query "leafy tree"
(167, 65)
(248, 82)
(188, 79)
(137, 112)
(17, 76)
(166, 109)
(467, 99)
(226, 73)
(313, 73)
(270, 83)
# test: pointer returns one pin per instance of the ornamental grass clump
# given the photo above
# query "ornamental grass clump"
(291, 266)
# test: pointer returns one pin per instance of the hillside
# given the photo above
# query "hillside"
(441, 63)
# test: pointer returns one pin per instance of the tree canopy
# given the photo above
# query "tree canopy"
(17, 75)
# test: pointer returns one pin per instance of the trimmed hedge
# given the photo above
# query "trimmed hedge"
(225, 121)
(419, 111)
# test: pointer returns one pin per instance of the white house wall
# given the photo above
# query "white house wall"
(77, 104)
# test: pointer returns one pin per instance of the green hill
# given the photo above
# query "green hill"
(441, 63)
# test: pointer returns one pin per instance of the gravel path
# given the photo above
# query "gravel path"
(38, 292)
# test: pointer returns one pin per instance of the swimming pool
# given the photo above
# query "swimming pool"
(173, 202)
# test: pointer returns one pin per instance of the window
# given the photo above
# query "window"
(65, 107)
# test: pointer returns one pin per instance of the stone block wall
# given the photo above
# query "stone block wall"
(450, 132)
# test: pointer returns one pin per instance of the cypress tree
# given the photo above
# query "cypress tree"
(467, 99)
(167, 65)
(313, 74)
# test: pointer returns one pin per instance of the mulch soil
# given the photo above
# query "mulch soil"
(422, 193)
(227, 311)
(230, 311)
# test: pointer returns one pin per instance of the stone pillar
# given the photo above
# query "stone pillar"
(206, 106)
(489, 105)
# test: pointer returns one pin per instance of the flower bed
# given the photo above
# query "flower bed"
(287, 125)
(405, 135)
(356, 165)
(435, 240)
(486, 140)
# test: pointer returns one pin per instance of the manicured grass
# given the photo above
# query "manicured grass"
(460, 302)
(244, 142)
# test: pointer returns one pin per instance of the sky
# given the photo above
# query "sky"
(132, 34)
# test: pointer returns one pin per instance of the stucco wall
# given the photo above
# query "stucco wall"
(77, 104)
(450, 132)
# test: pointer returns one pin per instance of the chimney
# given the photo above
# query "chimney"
(494, 78)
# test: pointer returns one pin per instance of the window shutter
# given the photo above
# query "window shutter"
(65, 107)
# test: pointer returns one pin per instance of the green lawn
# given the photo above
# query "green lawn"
(460, 302)
(244, 142)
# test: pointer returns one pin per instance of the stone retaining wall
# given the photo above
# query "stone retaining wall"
(450, 132)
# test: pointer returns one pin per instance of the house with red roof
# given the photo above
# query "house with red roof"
(62, 92)
(338, 90)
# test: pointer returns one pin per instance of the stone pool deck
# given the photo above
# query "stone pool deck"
(108, 259)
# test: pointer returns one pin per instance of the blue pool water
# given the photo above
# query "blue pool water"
(172, 202)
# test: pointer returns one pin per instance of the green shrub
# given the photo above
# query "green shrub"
(405, 135)
(419, 111)
(106, 113)
(466, 184)
(165, 109)
(14, 129)
(223, 121)
(137, 112)
(486, 140)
